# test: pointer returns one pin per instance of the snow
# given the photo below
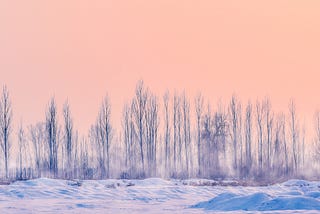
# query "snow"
(156, 195)
(293, 195)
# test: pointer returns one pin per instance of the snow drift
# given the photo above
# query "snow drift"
(290, 195)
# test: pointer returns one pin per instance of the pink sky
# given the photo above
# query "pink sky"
(84, 49)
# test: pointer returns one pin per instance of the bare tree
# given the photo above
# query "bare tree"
(285, 145)
(84, 160)
(104, 133)
(139, 111)
(68, 136)
(177, 135)
(152, 123)
(207, 135)
(214, 133)
(126, 112)
(5, 125)
(199, 109)
(235, 112)
(224, 139)
(167, 130)
(52, 136)
(260, 114)
(303, 146)
(22, 150)
(269, 122)
(176, 105)
(317, 134)
(221, 131)
(37, 138)
(294, 133)
(248, 136)
(280, 160)
(186, 130)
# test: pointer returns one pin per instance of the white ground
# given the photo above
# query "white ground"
(156, 196)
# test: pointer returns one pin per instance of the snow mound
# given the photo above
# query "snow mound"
(290, 203)
(232, 202)
(258, 202)
(290, 195)
(297, 183)
(152, 182)
(206, 182)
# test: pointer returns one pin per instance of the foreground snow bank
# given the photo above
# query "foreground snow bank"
(156, 195)
(290, 195)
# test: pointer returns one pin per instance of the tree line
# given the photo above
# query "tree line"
(171, 136)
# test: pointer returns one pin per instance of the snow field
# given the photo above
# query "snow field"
(156, 195)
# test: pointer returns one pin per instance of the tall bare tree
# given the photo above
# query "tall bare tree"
(248, 137)
(139, 111)
(5, 125)
(104, 133)
(303, 146)
(152, 123)
(37, 138)
(280, 160)
(260, 114)
(186, 130)
(52, 136)
(269, 122)
(176, 106)
(127, 138)
(207, 136)
(199, 109)
(68, 136)
(167, 130)
(215, 131)
(177, 134)
(317, 134)
(22, 153)
(235, 112)
(294, 131)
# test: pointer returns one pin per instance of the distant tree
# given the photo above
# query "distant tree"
(235, 112)
(317, 134)
(52, 136)
(207, 136)
(139, 110)
(5, 126)
(84, 160)
(177, 138)
(151, 133)
(37, 138)
(248, 136)
(269, 122)
(260, 114)
(104, 133)
(215, 144)
(186, 130)
(221, 131)
(294, 131)
(126, 126)
(199, 112)
(303, 146)
(280, 160)
(167, 130)
(22, 151)
(285, 145)
(68, 136)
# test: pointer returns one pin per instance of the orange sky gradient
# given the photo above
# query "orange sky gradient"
(82, 50)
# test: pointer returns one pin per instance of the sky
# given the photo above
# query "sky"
(82, 50)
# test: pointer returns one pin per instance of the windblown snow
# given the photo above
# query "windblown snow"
(155, 195)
